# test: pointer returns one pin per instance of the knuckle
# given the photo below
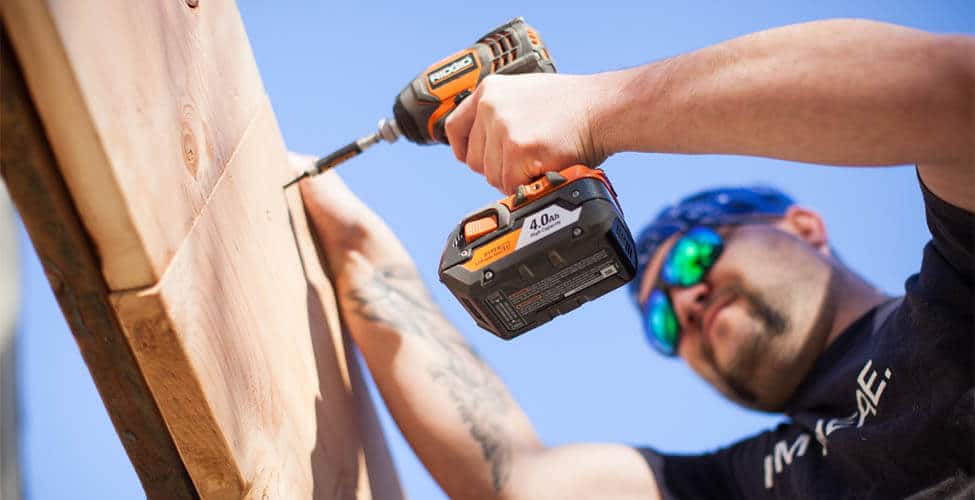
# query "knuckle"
(486, 105)
(524, 142)
(487, 83)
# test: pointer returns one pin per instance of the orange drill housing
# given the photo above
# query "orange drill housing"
(422, 107)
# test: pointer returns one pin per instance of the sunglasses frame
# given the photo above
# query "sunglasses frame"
(664, 291)
(660, 292)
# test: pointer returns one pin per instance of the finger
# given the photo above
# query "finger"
(508, 179)
(459, 123)
(327, 190)
(475, 146)
(493, 166)
(299, 162)
(517, 172)
(529, 171)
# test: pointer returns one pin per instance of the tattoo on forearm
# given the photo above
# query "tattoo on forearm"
(394, 297)
(481, 401)
(386, 299)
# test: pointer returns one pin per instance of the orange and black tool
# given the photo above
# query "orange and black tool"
(557, 243)
(421, 109)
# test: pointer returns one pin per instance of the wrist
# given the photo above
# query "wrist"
(628, 114)
(603, 110)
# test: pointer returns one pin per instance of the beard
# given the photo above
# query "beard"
(770, 322)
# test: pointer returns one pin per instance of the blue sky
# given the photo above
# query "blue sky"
(333, 69)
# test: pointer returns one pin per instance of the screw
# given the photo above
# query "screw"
(575, 193)
(466, 253)
(576, 231)
(488, 275)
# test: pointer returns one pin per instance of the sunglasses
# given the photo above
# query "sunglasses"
(686, 264)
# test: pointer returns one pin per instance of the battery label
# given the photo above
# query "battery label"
(567, 282)
(546, 222)
(502, 309)
(536, 226)
(493, 250)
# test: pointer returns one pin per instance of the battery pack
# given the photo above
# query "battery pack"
(558, 243)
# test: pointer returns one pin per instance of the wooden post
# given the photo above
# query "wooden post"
(148, 171)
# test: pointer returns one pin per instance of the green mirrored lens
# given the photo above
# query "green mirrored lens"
(691, 257)
(662, 327)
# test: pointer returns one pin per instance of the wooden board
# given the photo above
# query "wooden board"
(30, 172)
(173, 165)
(250, 368)
(144, 104)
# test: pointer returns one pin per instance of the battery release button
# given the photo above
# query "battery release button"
(554, 178)
(476, 228)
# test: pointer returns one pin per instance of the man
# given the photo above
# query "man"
(878, 390)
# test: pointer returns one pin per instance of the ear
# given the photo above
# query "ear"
(807, 225)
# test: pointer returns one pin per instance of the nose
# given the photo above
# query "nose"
(690, 303)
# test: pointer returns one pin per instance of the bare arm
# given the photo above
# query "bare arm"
(457, 415)
(841, 92)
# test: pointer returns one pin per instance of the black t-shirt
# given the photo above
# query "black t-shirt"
(888, 411)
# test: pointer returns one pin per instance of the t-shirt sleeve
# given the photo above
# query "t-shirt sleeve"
(734, 472)
(952, 231)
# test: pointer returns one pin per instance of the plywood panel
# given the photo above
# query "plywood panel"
(238, 341)
(144, 103)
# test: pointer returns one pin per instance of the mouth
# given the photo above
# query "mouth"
(712, 312)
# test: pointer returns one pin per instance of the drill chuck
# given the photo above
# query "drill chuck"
(388, 130)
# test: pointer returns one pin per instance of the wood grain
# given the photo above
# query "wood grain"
(239, 343)
(207, 320)
(30, 172)
(144, 103)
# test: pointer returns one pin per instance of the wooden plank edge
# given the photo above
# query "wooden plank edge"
(145, 321)
(30, 170)
(71, 136)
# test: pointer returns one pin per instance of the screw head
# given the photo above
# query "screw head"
(576, 231)
(465, 253)
(488, 275)
(575, 193)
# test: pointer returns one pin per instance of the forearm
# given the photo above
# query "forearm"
(452, 408)
(844, 92)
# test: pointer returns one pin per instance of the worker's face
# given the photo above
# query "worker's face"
(757, 322)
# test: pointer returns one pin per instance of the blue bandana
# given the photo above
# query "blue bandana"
(713, 207)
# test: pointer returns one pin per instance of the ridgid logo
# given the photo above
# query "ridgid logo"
(451, 70)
